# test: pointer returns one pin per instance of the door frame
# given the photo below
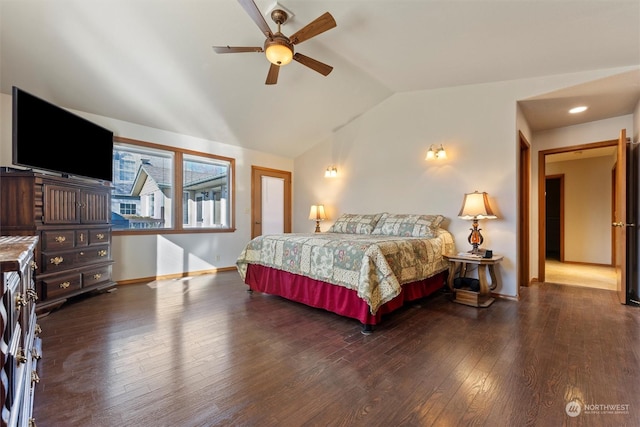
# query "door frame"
(541, 199)
(257, 173)
(524, 204)
(614, 183)
(620, 219)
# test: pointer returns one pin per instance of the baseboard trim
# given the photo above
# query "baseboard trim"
(173, 276)
(506, 297)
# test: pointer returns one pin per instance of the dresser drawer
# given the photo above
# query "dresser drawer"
(64, 260)
(99, 236)
(15, 368)
(82, 238)
(12, 303)
(99, 275)
(92, 254)
(57, 261)
(59, 287)
(55, 240)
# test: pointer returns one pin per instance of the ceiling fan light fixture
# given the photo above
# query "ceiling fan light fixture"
(278, 51)
(277, 47)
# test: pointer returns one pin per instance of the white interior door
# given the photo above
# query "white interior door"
(270, 201)
(272, 205)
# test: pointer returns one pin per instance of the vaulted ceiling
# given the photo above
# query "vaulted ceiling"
(151, 62)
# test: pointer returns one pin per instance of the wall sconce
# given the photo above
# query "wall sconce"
(317, 214)
(436, 154)
(476, 206)
(331, 172)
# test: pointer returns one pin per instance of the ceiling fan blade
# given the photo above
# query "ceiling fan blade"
(236, 49)
(255, 14)
(318, 66)
(272, 76)
(320, 25)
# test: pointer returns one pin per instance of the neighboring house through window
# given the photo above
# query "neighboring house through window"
(148, 176)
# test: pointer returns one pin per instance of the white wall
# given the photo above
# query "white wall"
(587, 208)
(168, 254)
(381, 163)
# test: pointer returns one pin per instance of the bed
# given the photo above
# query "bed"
(364, 267)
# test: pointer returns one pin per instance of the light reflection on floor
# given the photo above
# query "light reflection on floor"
(592, 276)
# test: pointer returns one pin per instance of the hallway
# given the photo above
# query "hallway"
(591, 276)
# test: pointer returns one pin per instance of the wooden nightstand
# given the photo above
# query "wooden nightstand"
(483, 297)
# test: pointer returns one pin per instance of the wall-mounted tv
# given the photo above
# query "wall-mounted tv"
(49, 138)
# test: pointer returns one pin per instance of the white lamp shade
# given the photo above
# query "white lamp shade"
(476, 206)
(317, 213)
(430, 154)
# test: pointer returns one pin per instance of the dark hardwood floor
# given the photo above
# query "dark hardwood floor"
(204, 352)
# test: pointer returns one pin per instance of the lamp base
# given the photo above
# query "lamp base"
(317, 226)
(475, 238)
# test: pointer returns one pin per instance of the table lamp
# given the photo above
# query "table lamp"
(476, 206)
(317, 214)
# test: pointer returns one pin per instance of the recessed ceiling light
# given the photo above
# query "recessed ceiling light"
(576, 110)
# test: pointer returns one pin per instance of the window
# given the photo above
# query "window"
(206, 183)
(149, 179)
(124, 166)
(185, 207)
(128, 209)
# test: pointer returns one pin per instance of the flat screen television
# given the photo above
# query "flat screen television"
(49, 138)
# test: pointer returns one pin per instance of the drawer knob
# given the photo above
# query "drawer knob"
(57, 260)
(20, 301)
(34, 378)
(34, 265)
(102, 252)
(97, 276)
(100, 236)
(32, 294)
(20, 357)
(35, 354)
(37, 329)
(65, 285)
(60, 239)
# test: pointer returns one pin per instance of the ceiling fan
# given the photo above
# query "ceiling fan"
(278, 48)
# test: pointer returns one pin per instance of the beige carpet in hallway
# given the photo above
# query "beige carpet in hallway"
(592, 276)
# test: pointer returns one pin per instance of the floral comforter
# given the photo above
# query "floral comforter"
(375, 266)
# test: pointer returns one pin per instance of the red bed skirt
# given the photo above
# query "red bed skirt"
(336, 299)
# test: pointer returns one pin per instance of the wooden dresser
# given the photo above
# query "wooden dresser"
(20, 346)
(72, 218)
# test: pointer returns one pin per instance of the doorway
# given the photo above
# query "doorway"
(270, 201)
(552, 217)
